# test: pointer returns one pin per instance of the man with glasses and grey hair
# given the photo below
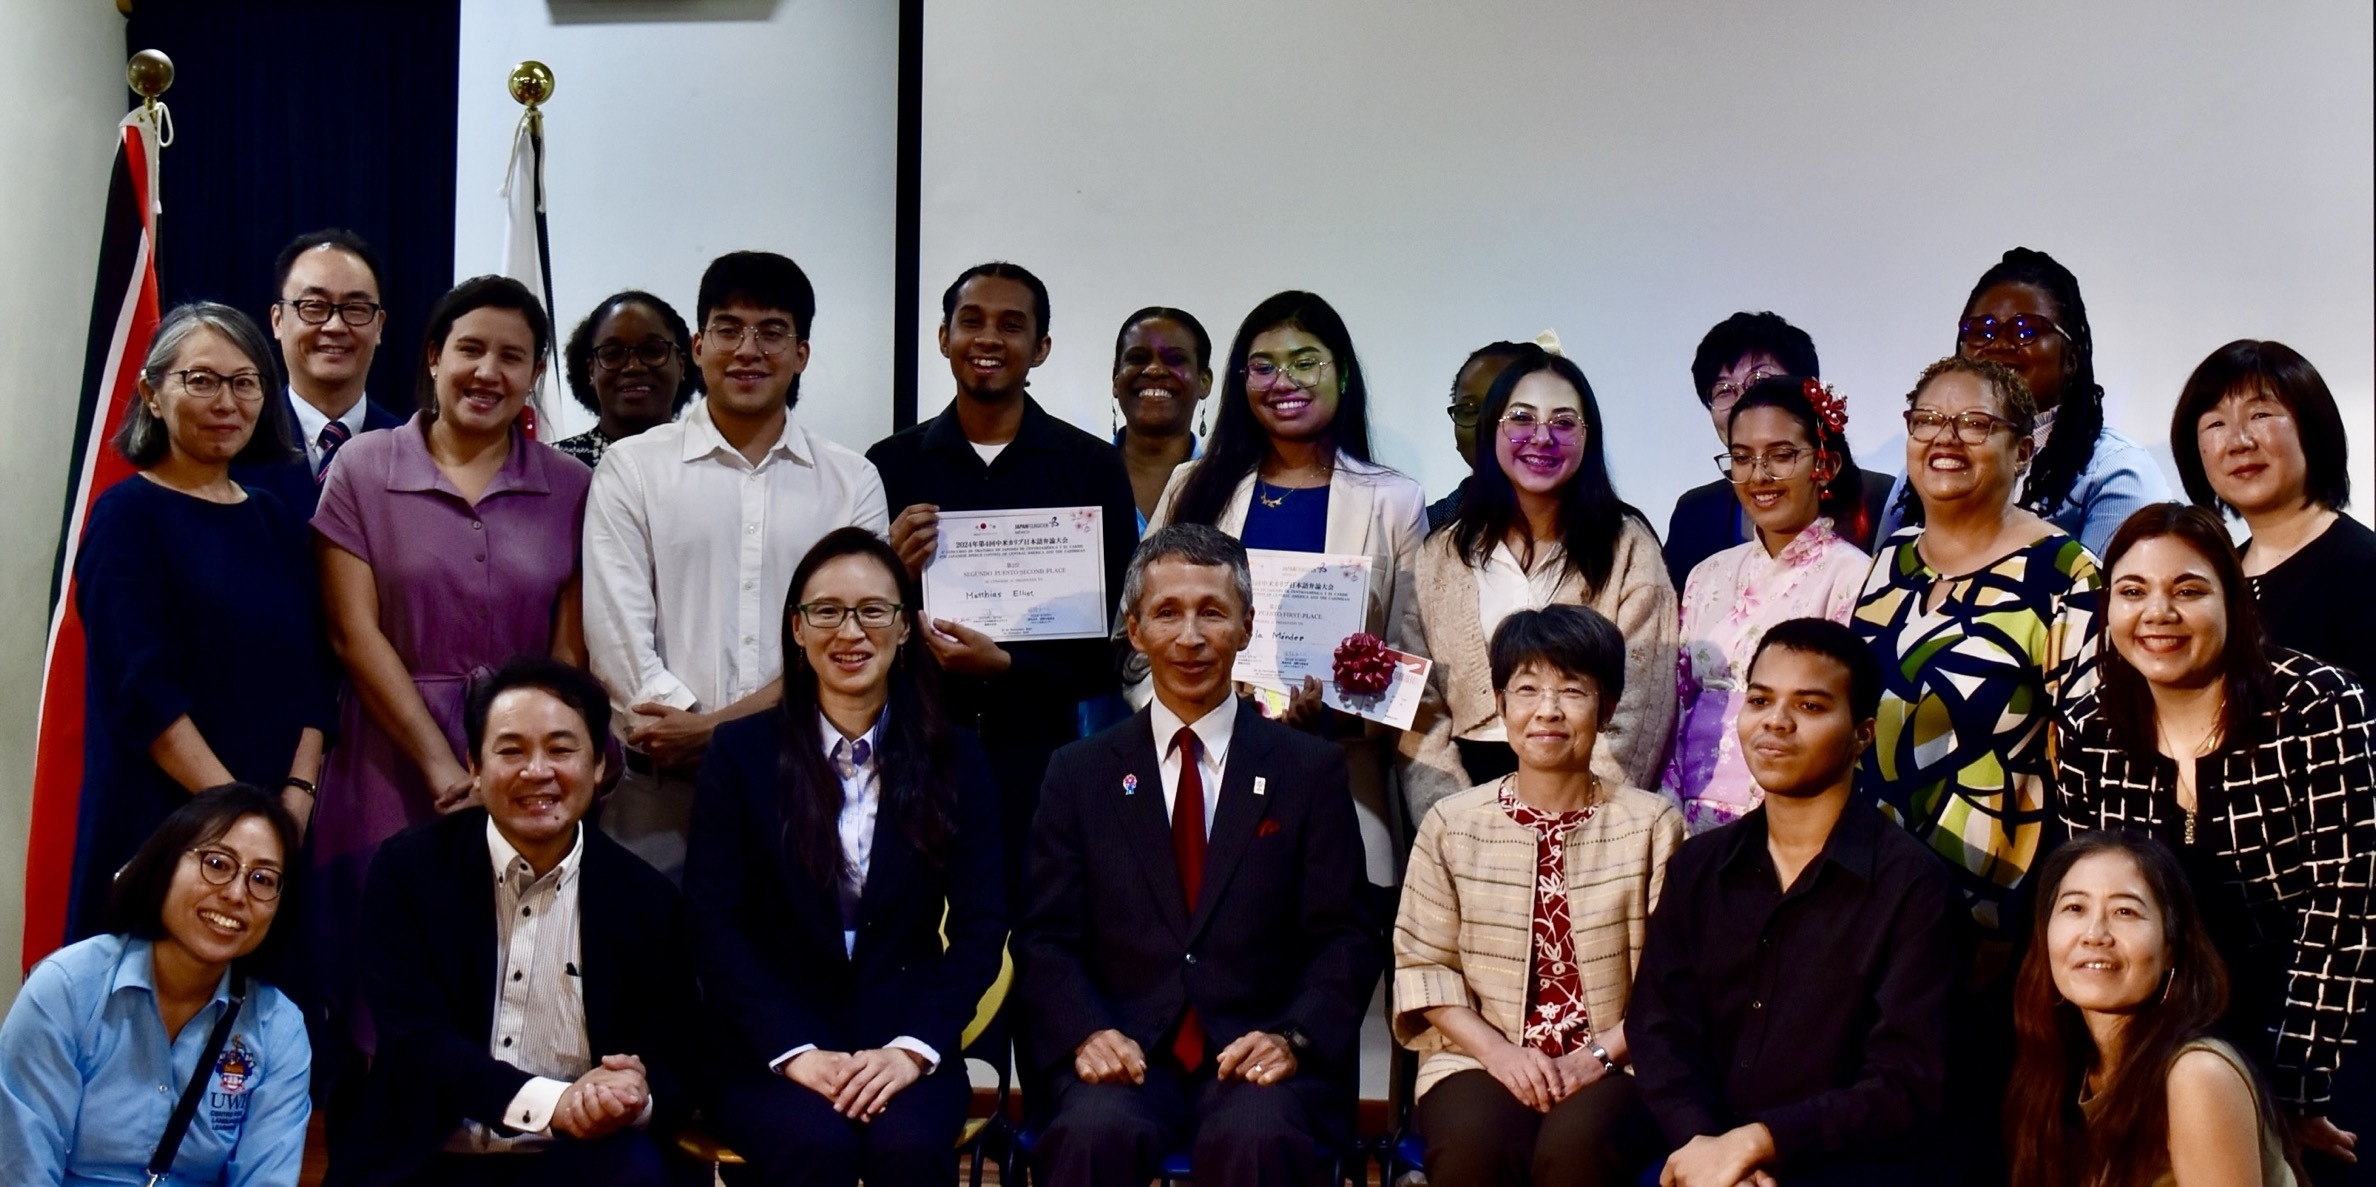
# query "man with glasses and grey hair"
(1195, 958)
(692, 532)
(327, 317)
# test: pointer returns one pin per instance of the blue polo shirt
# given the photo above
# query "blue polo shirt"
(88, 1079)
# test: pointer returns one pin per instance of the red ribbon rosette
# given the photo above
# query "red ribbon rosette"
(1363, 668)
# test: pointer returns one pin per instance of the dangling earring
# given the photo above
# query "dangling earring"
(1200, 418)
(1114, 417)
(2168, 979)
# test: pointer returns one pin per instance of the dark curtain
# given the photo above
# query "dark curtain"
(289, 117)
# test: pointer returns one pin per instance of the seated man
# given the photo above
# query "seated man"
(1789, 1017)
(1195, 961)
(529, 979)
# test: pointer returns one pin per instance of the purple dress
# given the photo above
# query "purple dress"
(461, 589)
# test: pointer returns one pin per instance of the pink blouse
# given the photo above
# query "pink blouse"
(1728, 602)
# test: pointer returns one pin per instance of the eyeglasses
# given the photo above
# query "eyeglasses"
(220, 867)
(651, 352)
(2020, 330)
(1973, 428)
(726, 335)
(315, 311)
(828, 616)
(1777, 463)
(1520, 424)
(1464, 415)
(247, 387)
(1571, 698)
(1267, 373)
(1729, 392)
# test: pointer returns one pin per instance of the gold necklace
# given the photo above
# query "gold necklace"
(1267, 501)
(2187, 768)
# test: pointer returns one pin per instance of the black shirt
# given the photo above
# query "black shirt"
(2316, 601)
(1048, 464)
(1821, 1011)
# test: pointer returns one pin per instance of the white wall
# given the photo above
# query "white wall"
(62, 83)
(730, 125)
(1630, 174)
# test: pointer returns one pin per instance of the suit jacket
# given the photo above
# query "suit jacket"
(772, 963)
(1278, 938)
(292, 481)
(429, 970)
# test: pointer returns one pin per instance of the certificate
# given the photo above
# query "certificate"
(1037, 573)
(1305, 603)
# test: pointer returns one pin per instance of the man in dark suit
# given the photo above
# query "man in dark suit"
(328, 319)
(529, 979)
(1196, 958)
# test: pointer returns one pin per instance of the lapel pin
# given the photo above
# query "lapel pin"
(1259, 784)
(1130, 785)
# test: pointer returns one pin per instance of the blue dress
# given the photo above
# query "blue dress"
(190, 607)
(1287, 519)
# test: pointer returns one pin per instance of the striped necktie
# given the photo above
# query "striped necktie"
(333, 435)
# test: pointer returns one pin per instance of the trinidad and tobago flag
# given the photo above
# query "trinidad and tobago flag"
(123, 319)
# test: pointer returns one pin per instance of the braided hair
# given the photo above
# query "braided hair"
(2081, 415)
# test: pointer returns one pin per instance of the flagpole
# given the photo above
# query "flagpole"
(530, 84)
(150, 74)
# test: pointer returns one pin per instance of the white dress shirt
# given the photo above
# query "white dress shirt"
(311, 422)
(862, 802)
(689, 552)
(1503, 589)
(1213, 732)
(540, 999)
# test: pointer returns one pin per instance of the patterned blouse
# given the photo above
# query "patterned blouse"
(2282, 858)
(1729, 602)
(586, 447)
(1556, 1016)
(1963, 753)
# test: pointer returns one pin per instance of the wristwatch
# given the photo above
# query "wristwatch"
(1297, 1041)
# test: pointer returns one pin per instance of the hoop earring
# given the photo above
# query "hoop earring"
(2169, 979)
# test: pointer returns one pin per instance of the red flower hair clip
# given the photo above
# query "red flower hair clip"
(1829, 407)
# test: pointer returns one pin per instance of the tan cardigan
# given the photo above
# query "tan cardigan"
(1466, 929)
(1639, 598)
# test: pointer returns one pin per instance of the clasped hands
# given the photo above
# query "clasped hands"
(608, 1098)
(1540, 1081)
(858, 1083)
(1111, 1057)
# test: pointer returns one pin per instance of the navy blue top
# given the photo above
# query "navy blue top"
(190, 607)
(1298, 524)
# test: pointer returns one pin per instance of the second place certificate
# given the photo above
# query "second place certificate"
(1037, 573)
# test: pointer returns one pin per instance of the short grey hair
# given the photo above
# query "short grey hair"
(1188, 543)
(142, 440)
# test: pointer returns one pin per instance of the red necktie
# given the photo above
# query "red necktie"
(1188, 851)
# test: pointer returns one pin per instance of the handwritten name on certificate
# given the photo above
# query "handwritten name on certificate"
(1029, 574)
(1305, 603)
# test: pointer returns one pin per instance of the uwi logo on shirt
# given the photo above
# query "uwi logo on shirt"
(227, 1099)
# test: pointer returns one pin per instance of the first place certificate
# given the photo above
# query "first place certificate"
(1015, 575)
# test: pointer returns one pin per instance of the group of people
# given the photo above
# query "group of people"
(1996, 818)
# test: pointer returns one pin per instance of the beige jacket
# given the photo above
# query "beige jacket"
(1465, 934)
(1639, 598)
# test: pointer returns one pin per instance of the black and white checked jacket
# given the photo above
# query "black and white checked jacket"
(2291, 822)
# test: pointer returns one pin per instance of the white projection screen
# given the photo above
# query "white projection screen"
(1629, 174)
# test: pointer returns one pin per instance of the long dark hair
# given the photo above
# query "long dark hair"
(915, 749)
(2081, 416)
(1842, 498)
(1591, 516)
(2047, 1140)
(1238, 443)
(2243, 662)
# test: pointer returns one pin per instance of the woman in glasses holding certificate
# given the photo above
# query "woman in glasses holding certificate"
(1288, 469)
(1538, 524)
(836, 840)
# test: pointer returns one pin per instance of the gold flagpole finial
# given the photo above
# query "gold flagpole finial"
(149, 74)
(530, 84)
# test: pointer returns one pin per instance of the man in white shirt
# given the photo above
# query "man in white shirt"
(692, 532)
(530, 980)
(328, 319)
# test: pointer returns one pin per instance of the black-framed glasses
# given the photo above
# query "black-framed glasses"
(651, 352)
(1265, 372)
(2021, 329)
(1778, 464)
(1727, 393)
(221, 867)
(728, 335)
(315, 311)
(1464, 415)
(828, 616)
(247, 387)
(1972, 428)
(1521, 424)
